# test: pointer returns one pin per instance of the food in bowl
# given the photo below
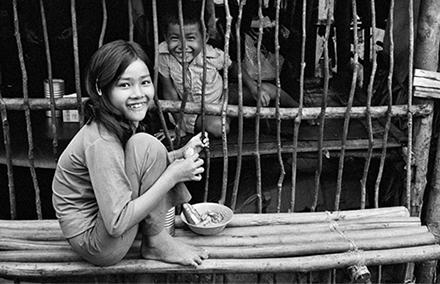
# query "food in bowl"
(211, 218)
(206, 218)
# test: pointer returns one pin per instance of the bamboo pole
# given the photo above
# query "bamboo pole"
(104, 23)
(310, 113)
(262, 250)
(26, 107)
(390, 104)
(239, 109)
(426, 58)
(76, 62)
(257, 156)
(277, 106)
(55, 234)
(396, 225)
(297, 121)
(184, 73)
(50, 77)
(47, 235)
(389, 116)
(368, 109)
(202, 105)
(16, 244)
(350, 102)
(224, 105)
(410, 192)
(130, 21)
(156, 75)
(238, 232)
(52, 256)
(326, 247)
(317, 237)
(246, 219)
(8, 152)
(264, 265)
(302, 228)
(40, 256)
(318, 172)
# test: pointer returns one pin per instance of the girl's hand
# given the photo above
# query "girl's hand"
(188, 169)
(196, 143)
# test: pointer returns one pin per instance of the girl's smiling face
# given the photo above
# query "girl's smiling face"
(133, 92)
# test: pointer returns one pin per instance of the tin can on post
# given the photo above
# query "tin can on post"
(170, 221)
(359, 273)
(58, 92)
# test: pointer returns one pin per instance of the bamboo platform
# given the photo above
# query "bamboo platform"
(270, 243)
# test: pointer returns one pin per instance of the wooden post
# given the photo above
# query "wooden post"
(426, 57)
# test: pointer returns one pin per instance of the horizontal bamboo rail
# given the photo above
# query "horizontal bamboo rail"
(236, 231)
(232, 110)
(263, 265)
(248, 224)
(244, 219)
(10, 243)
(63, 252)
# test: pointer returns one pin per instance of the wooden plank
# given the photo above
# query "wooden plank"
(267, 148)
(429, 93)
(426, 84)
(426, 79)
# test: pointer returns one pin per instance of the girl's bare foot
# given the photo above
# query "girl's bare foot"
(165, 248)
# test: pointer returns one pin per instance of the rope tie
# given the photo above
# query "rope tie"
(353, 247)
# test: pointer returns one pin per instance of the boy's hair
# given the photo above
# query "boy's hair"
(191, 11)
(103, 71)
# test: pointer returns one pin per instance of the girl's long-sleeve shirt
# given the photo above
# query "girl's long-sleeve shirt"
(90, 176)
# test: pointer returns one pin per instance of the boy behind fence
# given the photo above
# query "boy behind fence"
(170, 74)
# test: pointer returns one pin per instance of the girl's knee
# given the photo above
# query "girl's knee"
(144, 142)
(141, 139)
(142, 151)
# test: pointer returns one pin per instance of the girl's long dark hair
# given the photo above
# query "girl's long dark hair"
(103, 71)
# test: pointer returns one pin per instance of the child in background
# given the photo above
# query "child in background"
(111, 181)
(170, 73)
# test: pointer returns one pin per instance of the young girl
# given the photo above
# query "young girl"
(112, 182)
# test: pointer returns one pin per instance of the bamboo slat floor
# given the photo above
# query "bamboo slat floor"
(270, 243)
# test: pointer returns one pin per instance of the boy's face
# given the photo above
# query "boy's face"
(194, 42)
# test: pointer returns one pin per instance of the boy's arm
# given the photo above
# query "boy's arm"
(169, 92)
(250, 83)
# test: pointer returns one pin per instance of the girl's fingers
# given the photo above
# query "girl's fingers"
(205, 142)
(197, 177)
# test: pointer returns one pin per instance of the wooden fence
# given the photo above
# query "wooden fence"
(416, 118)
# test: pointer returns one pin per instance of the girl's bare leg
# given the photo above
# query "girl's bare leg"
(166, 248)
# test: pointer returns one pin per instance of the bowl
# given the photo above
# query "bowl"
(210, 229)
